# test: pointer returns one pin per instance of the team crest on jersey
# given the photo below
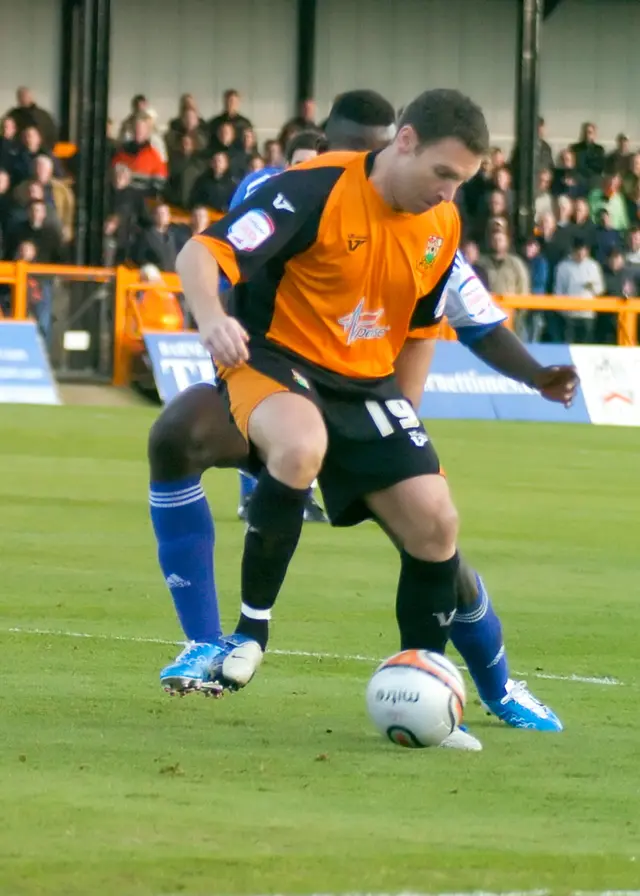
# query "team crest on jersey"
(361, 324)
(434, 244)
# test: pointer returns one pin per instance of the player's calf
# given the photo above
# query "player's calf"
(289, 433)
(420, 514)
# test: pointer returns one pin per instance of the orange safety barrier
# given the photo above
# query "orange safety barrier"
(133, 315)
(626, 309)
(142, 307)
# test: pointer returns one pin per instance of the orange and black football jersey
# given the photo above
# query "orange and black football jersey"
(329, 272)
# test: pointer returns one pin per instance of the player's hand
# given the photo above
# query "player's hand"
(226, 339)
(558, 383)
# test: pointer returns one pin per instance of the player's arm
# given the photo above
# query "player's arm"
(479, 324)
(412, 368)
(502, 350)
(279, 219)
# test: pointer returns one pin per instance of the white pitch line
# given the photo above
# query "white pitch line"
(579, 679)
(485, 893)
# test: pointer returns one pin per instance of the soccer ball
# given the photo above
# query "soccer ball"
(416, 698)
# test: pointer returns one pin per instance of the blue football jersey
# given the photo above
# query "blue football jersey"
(250, 184)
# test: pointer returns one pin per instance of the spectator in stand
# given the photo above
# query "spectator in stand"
(10, 147)
(185, 167)
(632, 259)
(231, 115)
(249, 148)
(199, 221)
(273, 155)
(496, 207)
(225, 142)
(19, 210)
(578, 276)
(39, 290)
(607, 239)
(158, 245)
(503, 182)
(31, 148)
(555, 244)
(583, 226)
(214, 188)
(633, 208)
(187, 101)
(57, 195)
(188, 126)
(506, 272)
(618, 161)
(609, 197)
(497, 157)
(5, 207)
(543, 154)
(567, 179)
(27, 114)
(46, 238)
(544, 200)
(148, 168)
(631, 178)
(140, 110)
(534, 322)
(589, 155)
(305, 120)
(126, 205)
(471, 252)
(618, 285)
(475, 190)
(256, 164)
(564, 212)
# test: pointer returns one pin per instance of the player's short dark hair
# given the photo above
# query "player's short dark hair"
(438, 114)
(357, 118)
(304, 140)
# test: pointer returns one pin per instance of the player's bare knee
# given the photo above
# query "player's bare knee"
(434, 537)
(298, 464)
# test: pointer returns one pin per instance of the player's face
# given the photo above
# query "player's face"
(422, 177)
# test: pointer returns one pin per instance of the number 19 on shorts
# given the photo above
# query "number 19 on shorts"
(394, 410)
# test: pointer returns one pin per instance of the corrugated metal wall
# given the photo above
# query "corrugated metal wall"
(590, 58)
(29, 51)
(164, 48)
(591, 69)
(403, 48)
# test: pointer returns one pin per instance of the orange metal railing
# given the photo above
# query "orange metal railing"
(128, 323)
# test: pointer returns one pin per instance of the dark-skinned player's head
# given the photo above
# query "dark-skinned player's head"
(441, 140)
(360, 120)
(304, 146)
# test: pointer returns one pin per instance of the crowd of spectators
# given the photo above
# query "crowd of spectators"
(587, 207)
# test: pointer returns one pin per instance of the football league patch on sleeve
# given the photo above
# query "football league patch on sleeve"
(251, 230)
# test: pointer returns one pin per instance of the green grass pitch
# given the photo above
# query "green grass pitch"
(110, 787)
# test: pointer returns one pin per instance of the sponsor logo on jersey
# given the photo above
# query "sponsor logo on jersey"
(361, 324)
(250, 230)
(282, 203)
(354, 242)
(434, 244)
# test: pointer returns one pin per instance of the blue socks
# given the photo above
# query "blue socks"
(184, 529)
(247, 486)
(477, 636)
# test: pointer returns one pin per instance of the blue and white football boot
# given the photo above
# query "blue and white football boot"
(192, 669)
(520, 709)
(212, 668)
